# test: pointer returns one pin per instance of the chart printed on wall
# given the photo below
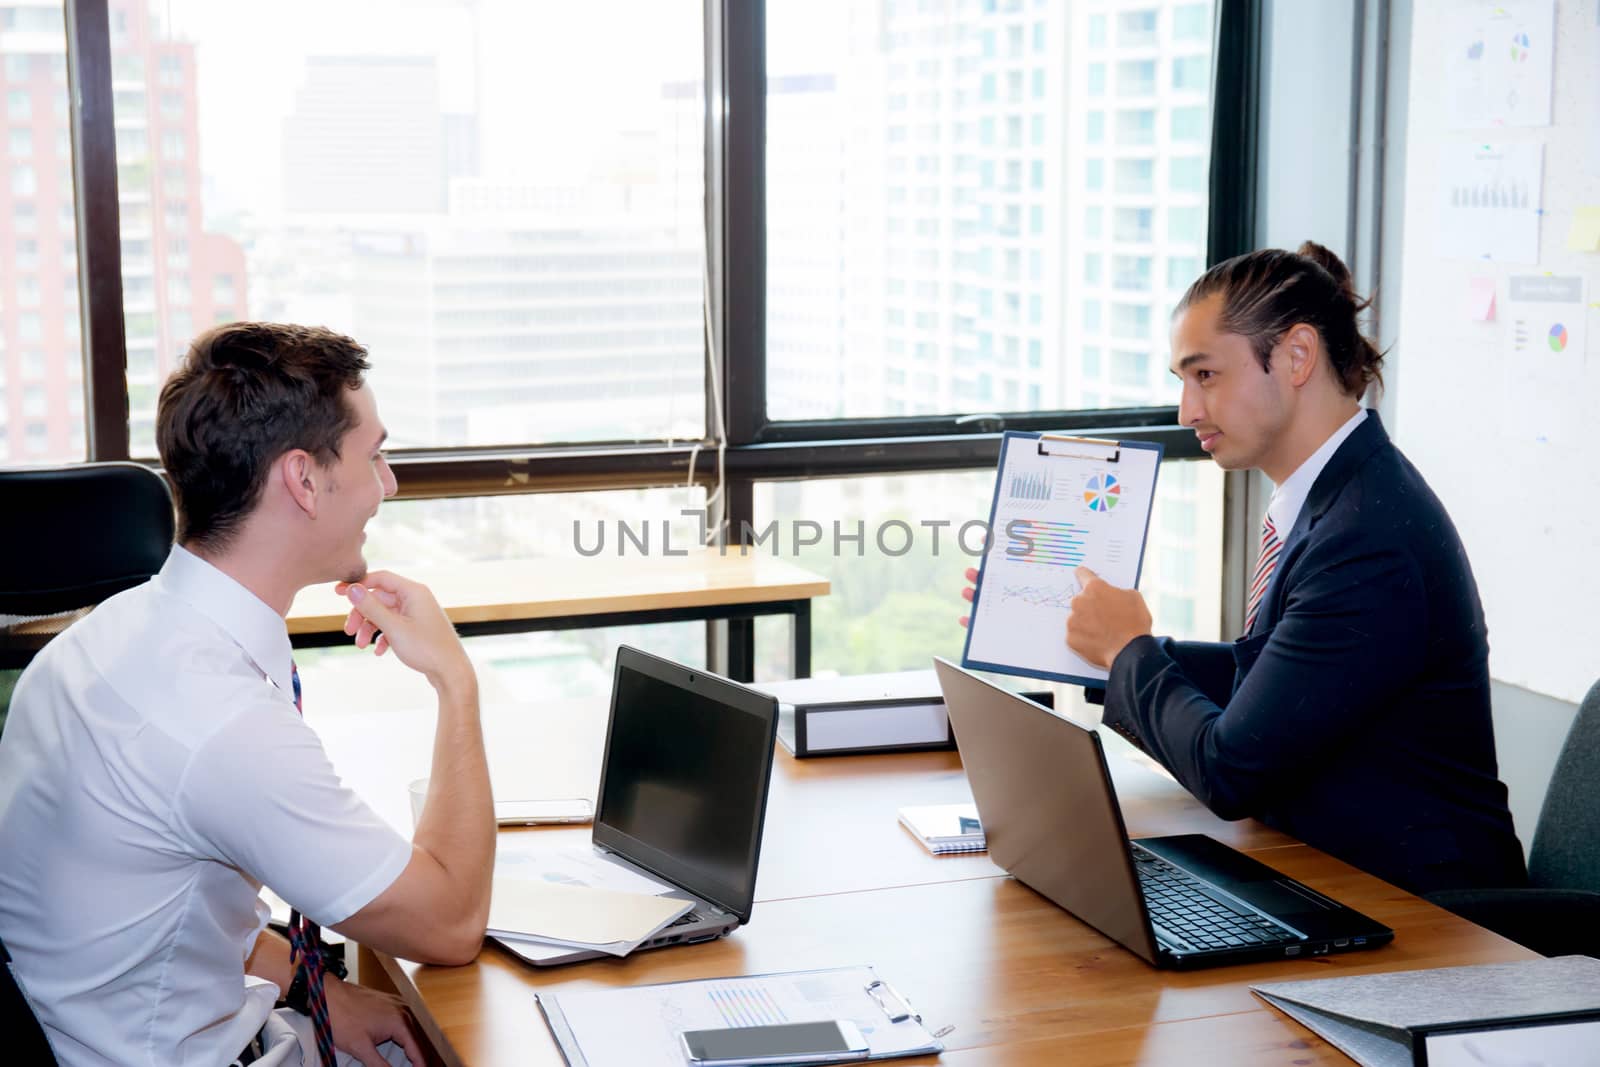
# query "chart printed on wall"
(1499, 61)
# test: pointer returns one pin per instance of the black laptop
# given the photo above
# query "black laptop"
(1051, 819)
(683, 796)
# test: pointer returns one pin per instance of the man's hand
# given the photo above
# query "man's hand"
(1104, 619)
(364, 1018)
(969, 592)
(388, 611)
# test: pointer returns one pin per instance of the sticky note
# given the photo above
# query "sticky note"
(1584, 233)
(1480, 298)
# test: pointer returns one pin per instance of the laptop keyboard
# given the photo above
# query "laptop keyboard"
(1179, 904)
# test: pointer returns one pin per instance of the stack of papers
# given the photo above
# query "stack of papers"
(548, 901)
(945, 827)
(575, 916)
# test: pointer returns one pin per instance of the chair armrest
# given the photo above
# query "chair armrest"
(1552, 922)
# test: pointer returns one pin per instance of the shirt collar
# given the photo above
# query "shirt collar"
(1289, 498)
(239, 613)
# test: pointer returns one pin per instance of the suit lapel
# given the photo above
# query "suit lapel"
(1366, 439)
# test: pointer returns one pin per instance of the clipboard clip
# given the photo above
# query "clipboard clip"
(882, 992)
(1046, 439)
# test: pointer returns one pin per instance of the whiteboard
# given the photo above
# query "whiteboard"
(1508, 443)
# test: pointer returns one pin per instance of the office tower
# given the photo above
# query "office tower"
(177, 277)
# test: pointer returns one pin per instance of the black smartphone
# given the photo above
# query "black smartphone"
(831, 1041)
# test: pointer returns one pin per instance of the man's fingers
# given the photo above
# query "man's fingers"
(972, 574)
(964, 620)
(1085, 576)
(968, 593)
(374, 605)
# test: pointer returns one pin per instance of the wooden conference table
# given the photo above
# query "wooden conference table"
(1021, 981)
(554, 593)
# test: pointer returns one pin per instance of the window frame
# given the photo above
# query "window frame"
(757, 446)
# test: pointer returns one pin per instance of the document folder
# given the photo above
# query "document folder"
(1535, 1013)
(901, 711)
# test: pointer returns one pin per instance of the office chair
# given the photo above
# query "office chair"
(70, 538)
(1559, 914)
(24, 1037)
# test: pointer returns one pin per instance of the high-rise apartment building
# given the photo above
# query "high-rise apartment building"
(177, 277)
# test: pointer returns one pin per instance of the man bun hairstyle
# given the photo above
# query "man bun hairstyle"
(246, 393)
(1265, 293)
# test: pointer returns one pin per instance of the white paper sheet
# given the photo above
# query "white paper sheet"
(577, 865)
(1499, 62)
(1488, 201)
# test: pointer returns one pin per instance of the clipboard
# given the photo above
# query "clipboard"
(638, 1026)
(1059, 502)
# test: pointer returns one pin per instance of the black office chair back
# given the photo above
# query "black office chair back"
(1566, 843)
(73, 536)
(23, 1036)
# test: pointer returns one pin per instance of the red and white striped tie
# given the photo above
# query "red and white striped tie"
(1266, 563)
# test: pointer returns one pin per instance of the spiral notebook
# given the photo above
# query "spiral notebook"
(945, 828)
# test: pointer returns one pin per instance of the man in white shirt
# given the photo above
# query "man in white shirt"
(155, 771)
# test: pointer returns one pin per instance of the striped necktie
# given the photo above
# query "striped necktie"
(1266, 563)
(305, 946)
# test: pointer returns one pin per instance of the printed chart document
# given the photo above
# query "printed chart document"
(639, 1026)
(1059, 503)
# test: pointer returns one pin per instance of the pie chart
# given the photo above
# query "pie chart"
(1519, 48)
(1558, 338)
(1102, 492)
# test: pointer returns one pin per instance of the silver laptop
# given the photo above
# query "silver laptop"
(683, 795)
(1051, 818)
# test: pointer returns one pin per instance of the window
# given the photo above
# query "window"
(19, 105)
(1136, 176)
(1182, 270)
(518, 295)
(1094, 174)
(1095, 127)
(1097, 31)
(1190, 72)
(1091, 316)
(1097, 79)
(1134, 224)
(1130, 320)
(1187, 224)
(1132, 272)
(1136, 77)
(1136, 127)
(1090, 362)
(1092, 268)
(1136, 29)
(21, 141)
(1191, 22)
(1130, 368)
(1188, 174)
(1188, 123)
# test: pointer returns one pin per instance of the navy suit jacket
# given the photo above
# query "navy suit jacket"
(1355, 714)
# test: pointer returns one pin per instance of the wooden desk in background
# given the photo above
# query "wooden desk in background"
(1023, 982)
(517, 596)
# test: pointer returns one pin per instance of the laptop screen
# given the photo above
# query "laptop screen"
(683, 787)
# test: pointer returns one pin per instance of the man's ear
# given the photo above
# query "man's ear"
(298, 472)
(1302, 344)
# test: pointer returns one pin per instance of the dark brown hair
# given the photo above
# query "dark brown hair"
(246, 393)
(1267, 292)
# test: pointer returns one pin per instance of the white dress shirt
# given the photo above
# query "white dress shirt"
(153, 774)
(1287, 499)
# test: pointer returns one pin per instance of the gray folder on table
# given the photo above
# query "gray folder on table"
(1546, 1010)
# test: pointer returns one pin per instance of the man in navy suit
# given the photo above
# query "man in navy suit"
(1354, 712)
